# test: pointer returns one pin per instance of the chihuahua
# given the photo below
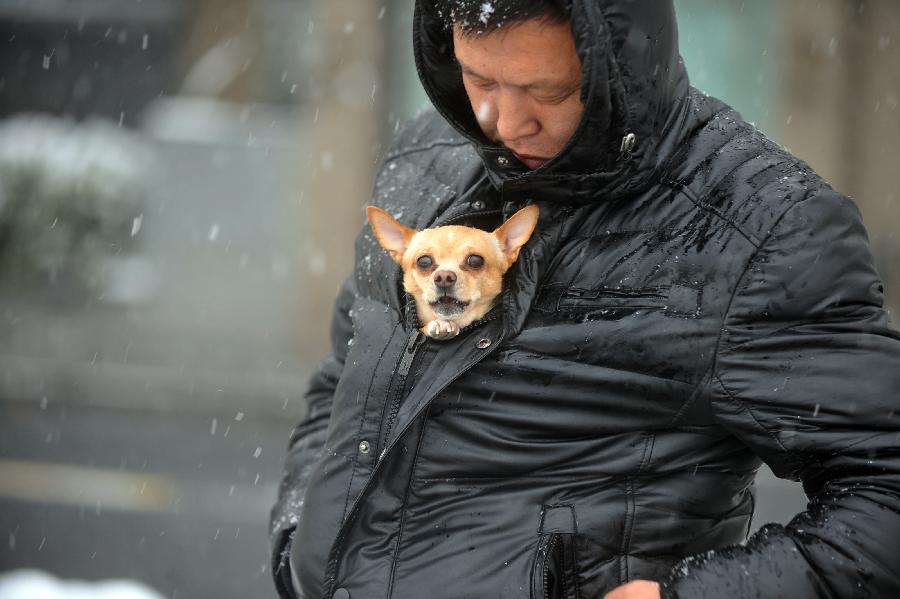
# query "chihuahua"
(454, 273)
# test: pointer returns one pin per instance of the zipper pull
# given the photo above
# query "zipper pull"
(413, 342)
(627, 147)
(581, 294)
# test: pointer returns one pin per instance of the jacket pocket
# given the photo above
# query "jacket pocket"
(554, 574)
(647, 298)
(602, 303)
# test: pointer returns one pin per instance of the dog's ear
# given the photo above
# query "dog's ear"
(513, 234)
(393, 236)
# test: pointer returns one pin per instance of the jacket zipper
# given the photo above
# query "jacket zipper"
(407, 361)
(415, 341)
(331, 568)
(548, 555)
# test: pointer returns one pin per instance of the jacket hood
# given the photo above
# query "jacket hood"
(634, 90)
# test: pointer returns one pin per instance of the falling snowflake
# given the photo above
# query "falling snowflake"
(487, 9)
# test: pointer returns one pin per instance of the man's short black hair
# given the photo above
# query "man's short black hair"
(476, 17)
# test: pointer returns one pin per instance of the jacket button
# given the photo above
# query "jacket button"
(364, 447)
(502, 160)
(341, 593)
(483, 343)
(478, 205)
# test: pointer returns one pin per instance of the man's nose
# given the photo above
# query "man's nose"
(444, 279)
(514, 119)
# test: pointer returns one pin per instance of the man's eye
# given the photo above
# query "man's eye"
(555, 97)
(481, 83)
(551, 100)
(424, 262)
(475, 261)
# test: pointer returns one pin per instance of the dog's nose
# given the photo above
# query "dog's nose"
(444, 279)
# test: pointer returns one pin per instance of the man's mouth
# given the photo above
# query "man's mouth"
(447, 305)
(530, 161)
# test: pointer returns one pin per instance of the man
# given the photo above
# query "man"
(695, 301)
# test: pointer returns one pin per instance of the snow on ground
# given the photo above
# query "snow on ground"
(34, 584)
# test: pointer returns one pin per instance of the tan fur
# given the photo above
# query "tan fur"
(449, 248)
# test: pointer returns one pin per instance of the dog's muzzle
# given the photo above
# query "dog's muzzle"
(448, 306)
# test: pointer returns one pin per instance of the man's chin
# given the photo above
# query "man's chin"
(533, 163)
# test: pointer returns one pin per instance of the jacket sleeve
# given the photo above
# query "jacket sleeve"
(807, 375)
(307, 440)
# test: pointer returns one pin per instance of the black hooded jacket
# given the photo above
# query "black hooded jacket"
(695, 301)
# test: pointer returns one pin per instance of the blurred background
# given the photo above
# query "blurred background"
(180, 183)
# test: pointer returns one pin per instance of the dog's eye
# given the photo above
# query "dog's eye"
(475, 261)
(424, 262)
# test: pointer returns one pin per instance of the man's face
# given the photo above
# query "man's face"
(524, 83)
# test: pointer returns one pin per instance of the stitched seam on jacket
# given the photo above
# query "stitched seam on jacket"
(714, 361)
(687, 192)
(714, 364)
(764, 189)
(628, 525)
(681, 155)
(752, 513)
(746, 134)
(761, 426)
(685, 183)
(362, 422)
(851, 318)
(412, 473)
(425, 148)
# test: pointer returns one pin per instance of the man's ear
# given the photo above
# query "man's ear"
(513, 234)
(393, 236)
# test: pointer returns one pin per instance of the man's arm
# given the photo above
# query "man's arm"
(308, 439)
(807, 374)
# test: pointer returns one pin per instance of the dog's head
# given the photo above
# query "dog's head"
(455, 273)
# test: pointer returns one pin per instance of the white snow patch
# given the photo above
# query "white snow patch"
(487, 9)
(33, 584)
